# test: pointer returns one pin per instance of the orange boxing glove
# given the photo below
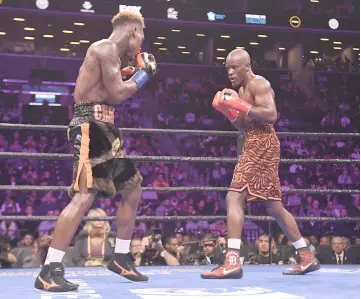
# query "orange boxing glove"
(128, 71)
(219, 105)
(232, 100)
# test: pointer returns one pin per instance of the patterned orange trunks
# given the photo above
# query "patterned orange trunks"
(257, 166)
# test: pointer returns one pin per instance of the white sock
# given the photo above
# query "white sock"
(300, 244)
(122, 246)
(54, 256)
(234, 243)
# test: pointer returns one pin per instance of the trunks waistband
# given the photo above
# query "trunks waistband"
(85, 112)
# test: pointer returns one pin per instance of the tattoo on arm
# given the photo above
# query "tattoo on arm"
(110, 64)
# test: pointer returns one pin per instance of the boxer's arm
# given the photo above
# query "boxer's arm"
(239, 122)
(264, 108)
(109, 61)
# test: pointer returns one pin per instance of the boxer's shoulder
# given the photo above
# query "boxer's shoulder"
(258, 84)
(103, 47)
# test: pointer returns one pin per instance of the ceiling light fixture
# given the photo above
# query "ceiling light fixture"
(262, 35)
(220, 58)
(64, 50)
(281, 48)
(254, 43)
(337, 43)
(75, 43)
(221, 50)
(79, 24)
(19, 19)
(356, 49)
(68, 31)
(239, 47)
(181, 47)
(324, 39)
(175, 30)
(48, 35)
(161, 37)
(163, 49)
(200, 34)
(29, 29)
(186, 52)
(157, 43)
(2, 33)
(225, 36)
(314, 52)
(337, 48)
(83, 41)
(29, 37)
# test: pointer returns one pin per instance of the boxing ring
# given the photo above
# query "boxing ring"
(184, 282)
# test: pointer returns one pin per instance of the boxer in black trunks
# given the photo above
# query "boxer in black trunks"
(100, 165)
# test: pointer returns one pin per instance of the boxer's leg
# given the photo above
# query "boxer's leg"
(51, 277)
(70, 217)
(235, 217)
(127, 213)
(287, 222)
(231, 267)
(127, 181)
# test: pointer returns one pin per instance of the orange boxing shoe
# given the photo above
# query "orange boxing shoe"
(308, 263)
(231, 268)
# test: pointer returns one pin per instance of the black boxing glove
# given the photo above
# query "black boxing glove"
(147, 68)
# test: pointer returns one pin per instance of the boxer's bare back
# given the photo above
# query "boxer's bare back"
(89, 86)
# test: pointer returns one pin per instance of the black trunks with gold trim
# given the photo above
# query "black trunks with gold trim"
(98, 150)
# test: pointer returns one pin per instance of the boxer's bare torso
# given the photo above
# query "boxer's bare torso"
(89, 86)
(245, 94)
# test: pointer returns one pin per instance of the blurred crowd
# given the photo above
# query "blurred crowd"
(182, 102)
(94, 246)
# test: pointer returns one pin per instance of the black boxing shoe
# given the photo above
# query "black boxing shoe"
(51, 279)
(123, 265)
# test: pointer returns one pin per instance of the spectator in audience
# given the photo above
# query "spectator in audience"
(344, 178)
(40, 250)
(6, 257)
(137, 250)
(338, 255)
(159, 255)
(9, 228)
(262, 256)
(27, 241)
(315, 210)
(354, 210)
(94, 246)
(9, 202)
(211, 252)
(45, 225)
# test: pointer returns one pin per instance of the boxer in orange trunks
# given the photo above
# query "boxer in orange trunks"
(255, 176)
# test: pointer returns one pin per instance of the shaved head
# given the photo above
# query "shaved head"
(238, 64)
(239, 55)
